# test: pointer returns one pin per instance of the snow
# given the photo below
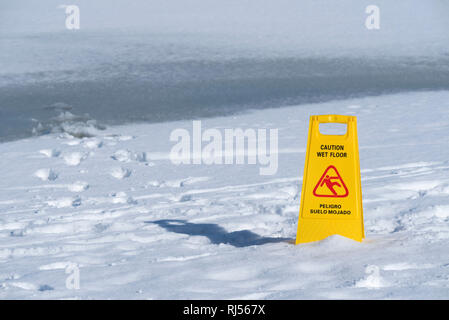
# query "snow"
(139, 227)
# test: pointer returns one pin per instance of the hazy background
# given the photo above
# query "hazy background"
(166, 60)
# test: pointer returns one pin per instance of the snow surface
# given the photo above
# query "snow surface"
(139, 227)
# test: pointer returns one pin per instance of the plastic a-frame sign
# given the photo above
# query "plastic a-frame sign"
(331, 197)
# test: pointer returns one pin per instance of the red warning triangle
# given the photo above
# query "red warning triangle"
(331, 185)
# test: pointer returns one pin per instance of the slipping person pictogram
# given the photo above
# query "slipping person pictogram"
(330, 185)
(331, 181)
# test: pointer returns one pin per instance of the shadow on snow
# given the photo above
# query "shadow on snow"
(215, 233)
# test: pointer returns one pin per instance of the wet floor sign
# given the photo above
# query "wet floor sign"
(331, 197)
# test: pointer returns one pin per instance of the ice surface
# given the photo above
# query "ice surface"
(156, 61)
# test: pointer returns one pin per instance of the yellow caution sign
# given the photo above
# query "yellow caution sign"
(331, 197)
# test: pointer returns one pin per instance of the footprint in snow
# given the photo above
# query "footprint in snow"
(127, 156)
(179, 183)
(122, 155)
(92, 143)
(50, 153)
(72, 142)
(65, 202)
(46, 174)
(120, 173)
(122, 197)
(78, 186)
(31, 286)
(74, 158)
